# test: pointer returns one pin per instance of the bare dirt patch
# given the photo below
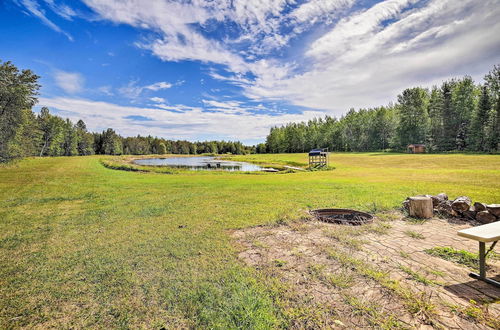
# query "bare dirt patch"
(375, 275)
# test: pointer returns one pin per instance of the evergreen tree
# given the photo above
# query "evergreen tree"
(70, 139)
(18, 91)
(449, 129)
(52, 133)
(464, 101)
(435, 110)
(413, 117)
(480, 118)
(111, 143)
(493, 126)
(85, 140)
(28, 136)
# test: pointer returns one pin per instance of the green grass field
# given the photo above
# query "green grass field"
(82, 245)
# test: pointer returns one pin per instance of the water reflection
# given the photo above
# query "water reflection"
(199, 163)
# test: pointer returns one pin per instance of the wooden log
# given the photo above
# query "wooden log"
(478, 207)
(445, 210)
(494, 209)
(420, 207)
(438, 199)
(485, 217)
(470, 213)
(461, 204)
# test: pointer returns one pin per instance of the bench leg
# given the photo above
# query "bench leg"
(482, 267)
(482, 259)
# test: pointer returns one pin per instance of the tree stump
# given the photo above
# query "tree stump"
(421, 207)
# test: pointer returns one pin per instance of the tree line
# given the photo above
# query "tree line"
(24, 133)
(459, 115)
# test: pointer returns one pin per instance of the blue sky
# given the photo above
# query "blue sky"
(220, 69)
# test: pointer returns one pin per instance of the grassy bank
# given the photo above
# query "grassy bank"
(84, 245)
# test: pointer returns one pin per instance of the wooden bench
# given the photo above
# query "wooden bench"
(483, 234)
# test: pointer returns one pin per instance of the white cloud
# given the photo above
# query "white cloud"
(178, 25)
(61, 9)
(313, 10)
(107, 90)
(179, 122)
(364, 58)
(158, 99)
(133, 91)
(368, 58)
(159, 85)
(70, 82)
(34, 9)
(227, 107)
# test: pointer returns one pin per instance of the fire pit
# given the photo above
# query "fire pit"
(342, 216)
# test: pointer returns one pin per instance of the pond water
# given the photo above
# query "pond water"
(199, 163)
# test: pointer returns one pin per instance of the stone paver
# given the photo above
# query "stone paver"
(302, 251)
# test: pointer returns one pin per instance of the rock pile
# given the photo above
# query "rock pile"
(462, 207)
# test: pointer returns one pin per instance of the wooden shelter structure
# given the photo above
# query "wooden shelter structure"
(416, 148)
(318, 157)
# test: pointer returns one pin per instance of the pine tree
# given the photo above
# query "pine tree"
(464, 98)
(18, 91)
(435, 110)
(449, 129)
(85, 140)
(413, 116)
(70, 139)
(479, 120)
(493, 126)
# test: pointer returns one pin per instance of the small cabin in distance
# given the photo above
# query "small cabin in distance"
(318, 157)
(416, 148)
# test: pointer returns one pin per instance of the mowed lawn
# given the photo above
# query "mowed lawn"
(86, 246)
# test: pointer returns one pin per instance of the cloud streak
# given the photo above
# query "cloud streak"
(33, 8)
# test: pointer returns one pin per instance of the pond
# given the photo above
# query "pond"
(199, 163)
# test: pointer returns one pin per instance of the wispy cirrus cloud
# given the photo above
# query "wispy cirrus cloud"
(61, 9)
(261, 26)
(33, 8)
(133, 91)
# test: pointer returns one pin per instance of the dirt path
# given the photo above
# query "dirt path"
(376, 275)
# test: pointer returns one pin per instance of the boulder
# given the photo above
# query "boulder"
(461, 204)
(485, 217)
(494, 209)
